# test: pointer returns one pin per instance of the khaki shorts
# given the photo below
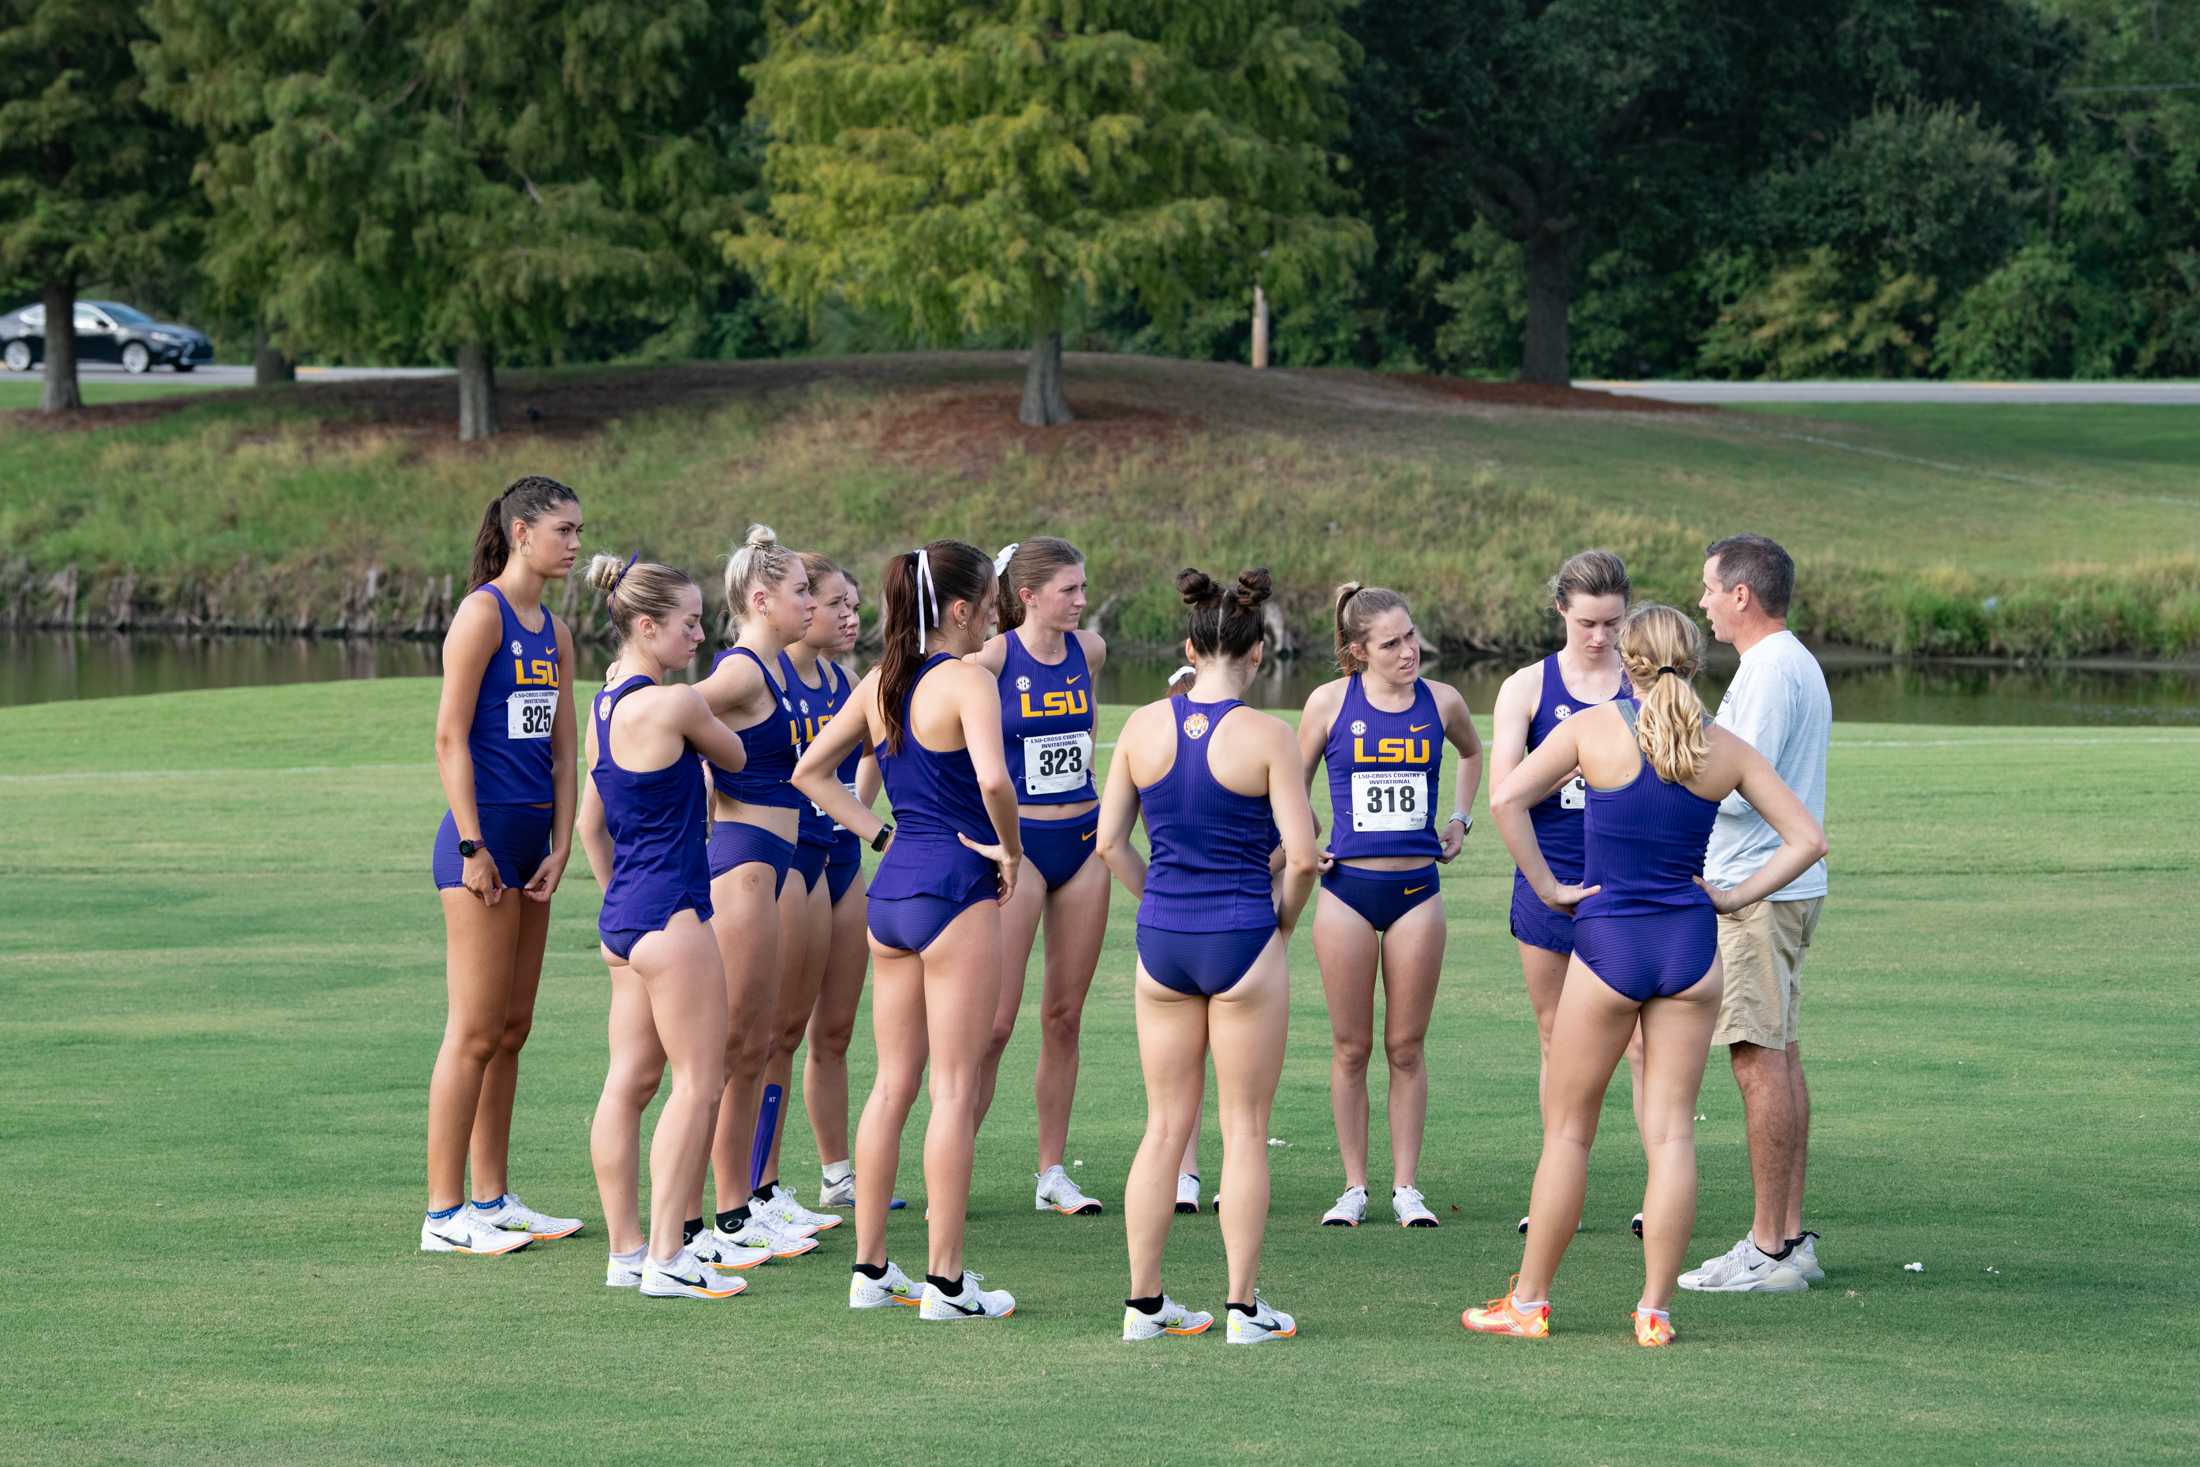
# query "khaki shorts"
(1763, 947)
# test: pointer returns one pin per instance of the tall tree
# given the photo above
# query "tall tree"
(980, 166)
(89, 175)
(476, 179)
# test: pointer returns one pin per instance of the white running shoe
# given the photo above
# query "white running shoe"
(971, 1302)
(1262, 1325)
(1805, 1259)
(1745, 1269)
(468, 1231)
(1409, 1207)
(684, 1276)
(617, 1275)
(1187, 1191)
(837, 1194)
(762, 1231)
(1636, 1225)
(516, 1216)
(1171, 1318)
(1057, 1193)
(895, 1288)
(792, 1216)
(721, 1252)
(1578, 1225)
(1348, 1212)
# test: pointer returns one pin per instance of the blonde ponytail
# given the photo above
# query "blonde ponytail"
(1662, 651)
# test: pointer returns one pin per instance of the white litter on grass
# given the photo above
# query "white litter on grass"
(1703, 1117)
(1991, 1269)
(1080, 1161)
(1913, 1268)
(1277, 1141)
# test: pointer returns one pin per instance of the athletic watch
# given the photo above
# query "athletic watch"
(878, 842)
(468, 848)
(1466, 823)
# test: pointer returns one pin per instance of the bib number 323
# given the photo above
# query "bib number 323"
(1389, 800)
(527, 713)
(1055, 764)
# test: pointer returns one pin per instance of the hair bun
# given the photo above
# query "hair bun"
(1197, 588)
(1253, 589)
(604, 572)
(760, 536)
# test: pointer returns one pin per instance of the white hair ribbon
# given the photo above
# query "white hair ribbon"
(925, 588)
(1008, 552)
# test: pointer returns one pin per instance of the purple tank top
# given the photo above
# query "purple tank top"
(509, 740)
(773, 744)
(814, 708)
(1557, 816)
(1209, 871)
(1047, 723)
(935, 798)
(1382, 776)
(659, 821)
(1645, 844)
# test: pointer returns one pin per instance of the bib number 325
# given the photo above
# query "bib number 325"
(528, 714)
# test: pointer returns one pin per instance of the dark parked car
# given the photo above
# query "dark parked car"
(106, 331)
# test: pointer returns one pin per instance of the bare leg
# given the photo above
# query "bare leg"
(1676, 1036)
(1545, 975)
(1413, 961)
(1019, 929)
(1588, 1036)
(962, 981)
(687, 997)
(1347, 949)
(481, 944)
(832, 1025)
(1634, 1078)
(746, 923)
(1246, 1028)
(1172, 1051)
(1077, 923)
(898, 1026)
(1768, 1098)
(491, 1144)
(806, 926)
(1800, 1117)
(614, 1137)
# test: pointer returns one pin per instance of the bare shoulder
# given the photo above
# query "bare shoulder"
(1449, 700)
(1095, 647)
(1324, 701)
(993, 656)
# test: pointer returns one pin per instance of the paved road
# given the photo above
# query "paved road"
(2138, 393)
(220, 376)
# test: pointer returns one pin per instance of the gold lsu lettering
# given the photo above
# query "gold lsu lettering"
(1391, 751)
(539, 672)
(1062, 703)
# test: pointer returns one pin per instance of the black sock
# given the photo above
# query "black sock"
(872, 1271)
(950, 1287)
(764, 1193)
(1245, 1309)
(689, 1229)
(1785, 1249)
(1150, 1304)
(734, 1221)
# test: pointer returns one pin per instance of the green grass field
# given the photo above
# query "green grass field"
(97, 388)
(222, 964)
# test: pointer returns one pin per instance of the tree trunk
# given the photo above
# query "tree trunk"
(270, 366)
(1545, 352)
(1044, 405)
(60, 394)
(1260, 329)
(477, 392)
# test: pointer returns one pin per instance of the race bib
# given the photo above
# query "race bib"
(1055, 764)
(1392, 799)
(819, 810)
(528, 713)
(1574, 794)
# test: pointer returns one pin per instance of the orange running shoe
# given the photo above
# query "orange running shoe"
(1651, 1331)
(1500, 1317)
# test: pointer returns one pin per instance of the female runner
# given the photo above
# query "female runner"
(935, 905)
(1046, 666)
(1219, 785)
(1590, 595)
(504, 746)
(755, 815)
(1645, 946)
(1377, 729)
(644, 824)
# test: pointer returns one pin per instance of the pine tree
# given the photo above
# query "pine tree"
(981, 166)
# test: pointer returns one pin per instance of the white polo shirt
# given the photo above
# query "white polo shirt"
(1777, 702)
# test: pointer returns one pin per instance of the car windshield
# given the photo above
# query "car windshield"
(123, 315)
(33, 315)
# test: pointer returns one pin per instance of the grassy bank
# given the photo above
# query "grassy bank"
(2002, 530)
(224, 968)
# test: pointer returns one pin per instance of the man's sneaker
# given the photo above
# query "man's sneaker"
(1057, 1193)
(1502, 1317)
(763, 1231)
(1652, 1330)
(1409, 1207)
(1805, 1259)
(837, 1194)
(1346, 1211)
(467, 1231)
(895, 1288)
(684, 1276)
(1636, 1225)
(516, 1216)
(618, 1275)
(1745, 1269)
(1187, 1191)
(971, 1302)
(1171, 1318)
(721, 1252)
(1265, 1323)
(792, 1216)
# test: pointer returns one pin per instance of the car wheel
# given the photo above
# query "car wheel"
(17, 356)
(136, 359)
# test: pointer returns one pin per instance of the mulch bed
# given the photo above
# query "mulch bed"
(971, 432)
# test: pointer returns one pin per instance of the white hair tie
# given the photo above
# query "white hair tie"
(925, 588)
(1008, 552)
(1187, 670)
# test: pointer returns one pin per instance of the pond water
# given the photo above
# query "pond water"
(44, 666)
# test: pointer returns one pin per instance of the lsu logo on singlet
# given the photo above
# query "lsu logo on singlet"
(536, 672)
(1060, 703)
(1391, 751)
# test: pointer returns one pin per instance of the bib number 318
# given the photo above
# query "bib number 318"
(1389, 801)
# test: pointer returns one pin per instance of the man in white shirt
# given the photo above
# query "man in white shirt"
(1779, 704)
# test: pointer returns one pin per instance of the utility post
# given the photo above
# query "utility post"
(1260, 328)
